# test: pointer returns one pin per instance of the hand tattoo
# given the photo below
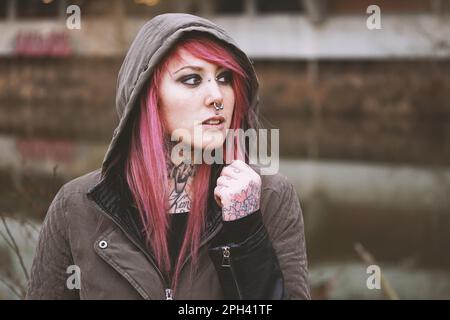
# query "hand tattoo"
(243, 203)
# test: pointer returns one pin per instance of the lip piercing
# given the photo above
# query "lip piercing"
(218, 107)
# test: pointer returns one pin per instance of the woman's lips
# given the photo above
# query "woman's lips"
(219, 126)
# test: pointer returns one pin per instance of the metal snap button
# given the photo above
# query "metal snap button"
(103, 244)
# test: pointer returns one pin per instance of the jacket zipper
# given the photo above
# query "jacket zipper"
(226, 263)
(169, 294)
(226, 257)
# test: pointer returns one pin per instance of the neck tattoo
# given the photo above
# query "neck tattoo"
(180, 178)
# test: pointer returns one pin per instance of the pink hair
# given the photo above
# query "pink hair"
(146, 165)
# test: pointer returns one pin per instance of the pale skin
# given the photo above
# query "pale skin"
(188, 91)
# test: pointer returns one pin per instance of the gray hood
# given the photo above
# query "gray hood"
(150, 46)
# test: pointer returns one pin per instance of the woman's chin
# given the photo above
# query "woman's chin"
(213, 140)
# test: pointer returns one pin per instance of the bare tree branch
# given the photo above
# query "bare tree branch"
(16, 249)
(368, 258)
(11, 287)
(6, 240)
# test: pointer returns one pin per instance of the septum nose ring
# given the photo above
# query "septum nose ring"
(218, 107)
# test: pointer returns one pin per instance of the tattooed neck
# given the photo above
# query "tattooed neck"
(181, 172)
(180, 180)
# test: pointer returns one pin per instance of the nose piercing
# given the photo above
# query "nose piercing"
(218, 107)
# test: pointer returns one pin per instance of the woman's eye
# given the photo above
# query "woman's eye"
(225, 77)
(191, 80)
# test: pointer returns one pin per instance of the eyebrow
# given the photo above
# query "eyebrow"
(189, 67)
(193, 68)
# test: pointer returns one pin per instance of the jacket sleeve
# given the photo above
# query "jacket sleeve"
(271, 262)
(48, 275)
(286, 229)
(245, 261)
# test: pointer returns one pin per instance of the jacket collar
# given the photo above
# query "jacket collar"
(112, 195)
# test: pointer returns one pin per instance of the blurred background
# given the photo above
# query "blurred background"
(364, 121)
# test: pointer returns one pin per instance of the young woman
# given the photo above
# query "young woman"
(153, 223)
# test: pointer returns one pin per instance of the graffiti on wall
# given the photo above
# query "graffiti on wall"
(35, 44)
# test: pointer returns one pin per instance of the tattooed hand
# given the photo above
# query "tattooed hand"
(238, 191)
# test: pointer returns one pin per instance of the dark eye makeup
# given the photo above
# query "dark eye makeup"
(226, 77)
(193, 80)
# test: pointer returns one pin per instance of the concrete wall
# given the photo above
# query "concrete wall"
(271, 36)
(393, 111)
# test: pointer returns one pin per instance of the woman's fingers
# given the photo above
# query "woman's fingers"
(240, 169)
(217, 196)
(230, 172)
(240, 166)
(224, 181)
